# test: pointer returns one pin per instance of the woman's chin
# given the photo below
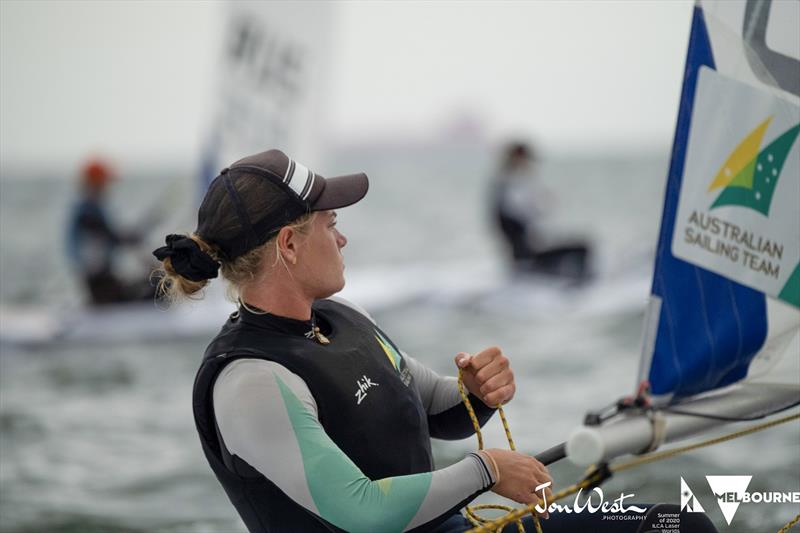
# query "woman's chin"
(330, 291)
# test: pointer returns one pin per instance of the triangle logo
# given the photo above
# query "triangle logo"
(729, 491)
(689, 502)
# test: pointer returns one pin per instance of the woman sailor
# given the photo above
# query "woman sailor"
(309, 415)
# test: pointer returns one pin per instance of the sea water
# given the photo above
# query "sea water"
(99, 437)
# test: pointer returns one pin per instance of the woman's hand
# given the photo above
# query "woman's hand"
(488, 376)
(521, 478)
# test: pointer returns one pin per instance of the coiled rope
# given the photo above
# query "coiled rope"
(594, 476)
(471, 510)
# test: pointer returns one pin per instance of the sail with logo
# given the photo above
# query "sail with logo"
(721, 339)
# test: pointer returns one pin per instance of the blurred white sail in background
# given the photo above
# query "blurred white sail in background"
(273, 82)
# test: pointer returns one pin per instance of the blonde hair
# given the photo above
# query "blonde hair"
(241, 272)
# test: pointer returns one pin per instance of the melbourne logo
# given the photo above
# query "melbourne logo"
(749, 175)
(731, 491)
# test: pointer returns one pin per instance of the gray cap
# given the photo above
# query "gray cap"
(286, 191)
(315, 191)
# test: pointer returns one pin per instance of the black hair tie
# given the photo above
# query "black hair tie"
(188, 259)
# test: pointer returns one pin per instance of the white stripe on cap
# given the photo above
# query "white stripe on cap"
(300, 180)
(289, 168)
(310, 185)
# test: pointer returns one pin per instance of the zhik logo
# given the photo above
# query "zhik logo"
(363, 384)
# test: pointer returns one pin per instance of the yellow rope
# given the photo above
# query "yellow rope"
(790, 525)
(471, 513)
(483, 525)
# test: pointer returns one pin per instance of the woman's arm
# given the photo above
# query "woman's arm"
(447, 416)
(268, 418)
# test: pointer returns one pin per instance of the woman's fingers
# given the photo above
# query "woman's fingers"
(490, 367)
(500, 396)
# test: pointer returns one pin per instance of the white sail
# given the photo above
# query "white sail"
(272, 84)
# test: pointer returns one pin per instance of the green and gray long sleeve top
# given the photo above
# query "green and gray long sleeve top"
(341, 431)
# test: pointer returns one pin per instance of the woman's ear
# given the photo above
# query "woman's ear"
(288, 244)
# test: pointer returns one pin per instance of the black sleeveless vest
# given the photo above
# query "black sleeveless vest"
(366, 403)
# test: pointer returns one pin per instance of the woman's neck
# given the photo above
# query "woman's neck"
(279, 300)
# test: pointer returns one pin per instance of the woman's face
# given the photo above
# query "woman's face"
(320, 262)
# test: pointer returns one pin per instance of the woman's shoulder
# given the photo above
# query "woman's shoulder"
(259, 377)
(352, 305)
(249, 369)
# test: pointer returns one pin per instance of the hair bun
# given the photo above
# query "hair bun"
(187, 258)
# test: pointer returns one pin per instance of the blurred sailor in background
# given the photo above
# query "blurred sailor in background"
(519, 207)
(94, 241)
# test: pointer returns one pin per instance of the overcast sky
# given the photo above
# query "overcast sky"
(137, 79)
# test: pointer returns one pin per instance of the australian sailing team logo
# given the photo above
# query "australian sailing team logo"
(738, 214)
(749, 176)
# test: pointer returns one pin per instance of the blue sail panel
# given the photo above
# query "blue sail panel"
(709, 327)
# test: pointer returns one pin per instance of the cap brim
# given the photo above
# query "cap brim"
(341, 191)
